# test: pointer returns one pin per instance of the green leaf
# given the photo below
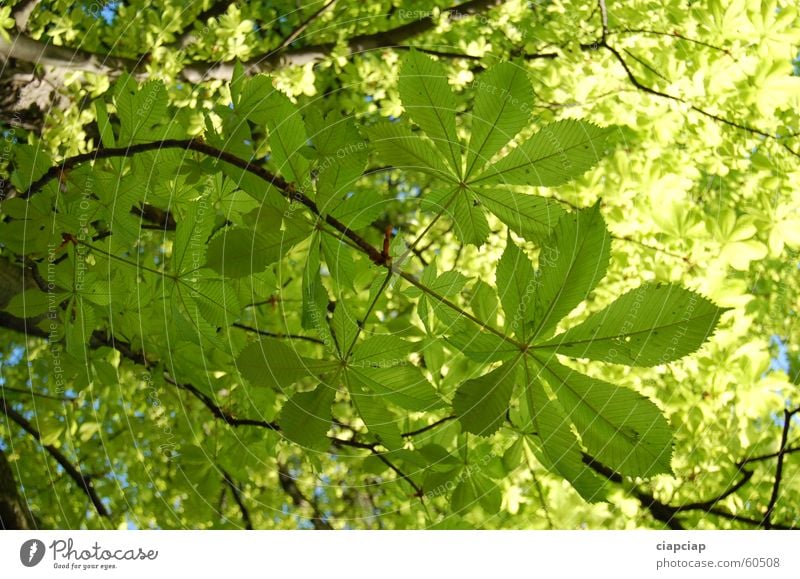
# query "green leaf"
(618, 426)
(287, 138)
(360, 209)
(33, 302)
(529, 216)
(481, 403)
(574, 259)
(238, 252)
(306, 417)
(470, 223)
(276, 365)
(342, 155)
(481, 346)
(558, 153)
(139, 108)
(651, 325)
(502, 109)
(477, 489)
(344, 325)
(337, 178)
(515, 281)
(315, 296)
(216, 302)
(254, 103)
(429, 101)
(30, 163)
(339, 261)
(80, 323)
(379, 420)
(103, 123)
(484, 302)
(560, 450)
(191, 235)
(382, 351)
(398, 146)
(403, 385)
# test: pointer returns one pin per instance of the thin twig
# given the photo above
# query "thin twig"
(237, 496)
(32, 392)
(773, 500)
(276, 335)
(428, 427)
(294, 34)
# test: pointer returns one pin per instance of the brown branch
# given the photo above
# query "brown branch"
(428, 427)
(286, 189)
(83, 481)
(789, 450)
(671, 35)
(31, 392)
(639, 85)
(303, 26)
(373, 448)
(667, 513)
(237, 496)
(217, 410)
(15, 513)
(215, 9)
(27, 49)
(773, 500)
(712, 503)
(289, 485)
(276, 335)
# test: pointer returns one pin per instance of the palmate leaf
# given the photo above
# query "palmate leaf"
(397, 145)
(429, 101)
(574, 260)
(379, 420)
(650, 325)
(306, 417)
(618, 426)
(287, 137)
(481, 403)
(272, 363)
(515, 280)
(559, 450)
(501, 110)
(558, 153)
(529, 216)
(239, 252)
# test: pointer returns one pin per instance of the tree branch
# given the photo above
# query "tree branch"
(639, 85)
(286, 189)
(83, 481)
(289, 485)
(27, 49)
(773, 500)
(428, 427)
(277, 335)
(303, 26)
(237, 496)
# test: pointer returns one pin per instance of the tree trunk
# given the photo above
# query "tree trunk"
(14, 513)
